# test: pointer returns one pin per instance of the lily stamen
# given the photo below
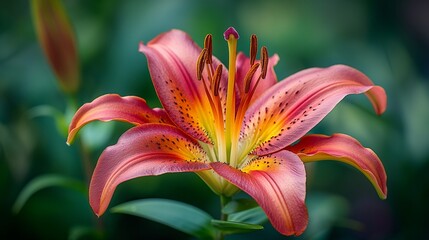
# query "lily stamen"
(249, 76)
(216, 80)
(209, 46)
(264, 62)
(200, 63)
(253, 48)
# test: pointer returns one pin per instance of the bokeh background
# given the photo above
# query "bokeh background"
(387, 40)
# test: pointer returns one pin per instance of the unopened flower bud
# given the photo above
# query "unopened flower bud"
(57, 40)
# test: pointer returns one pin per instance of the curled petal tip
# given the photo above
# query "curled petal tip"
(141, 46)
(343, 148)
(378, 98)
(147, 150)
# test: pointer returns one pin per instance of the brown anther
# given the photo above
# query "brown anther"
(209, 46)
(264, 62)
(202, 58)
(216, 79)
(253, 48)
(249, 76)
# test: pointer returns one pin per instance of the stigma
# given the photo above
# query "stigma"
(231, 33)
(205, 63)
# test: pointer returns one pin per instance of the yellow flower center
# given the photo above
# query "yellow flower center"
(228, 117)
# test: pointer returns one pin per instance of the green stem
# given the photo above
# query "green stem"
(224, 217)
(86, 160)
(223, 201)
(85, 154)
(83, 148)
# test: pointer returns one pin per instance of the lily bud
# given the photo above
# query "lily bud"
(57, 39)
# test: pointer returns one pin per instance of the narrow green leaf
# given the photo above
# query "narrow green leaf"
(43, 182)
(239, 205)
(231, 227)
(254, 216)
(178, 215)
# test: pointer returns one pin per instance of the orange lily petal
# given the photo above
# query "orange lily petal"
(172, 60)
(345, 149)
(291, 108)
(114, 107)
(145, 150)
(277, 183)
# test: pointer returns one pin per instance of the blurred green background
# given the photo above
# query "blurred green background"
(387, 40)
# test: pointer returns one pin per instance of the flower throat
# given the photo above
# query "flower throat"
(231, 125)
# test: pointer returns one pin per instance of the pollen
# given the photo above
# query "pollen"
(249, 76)
(208, 44)
(253, 48)
(216, 79)
(264, 62)
(201, 62)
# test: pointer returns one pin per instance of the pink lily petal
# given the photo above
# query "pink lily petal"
(114, 107)
(277, 183)
(243, 66)
(145, 150)
(172, 60)
(345, 149)
(291, 108)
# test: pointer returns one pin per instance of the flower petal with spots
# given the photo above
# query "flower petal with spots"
(243, 66)
(343, 148)
(277, 183)
(110, 107)
(146, 150)
(291, 108)
(172, 60)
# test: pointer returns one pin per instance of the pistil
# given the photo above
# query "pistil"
(231, 36)
(211, 88)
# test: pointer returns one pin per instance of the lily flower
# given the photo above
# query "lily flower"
(236, 128)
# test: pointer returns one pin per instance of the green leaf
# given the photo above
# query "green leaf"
(253, 216)
(327, 211)
(239, 205)
(231, 227)
(46, 181)
(178, 215)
